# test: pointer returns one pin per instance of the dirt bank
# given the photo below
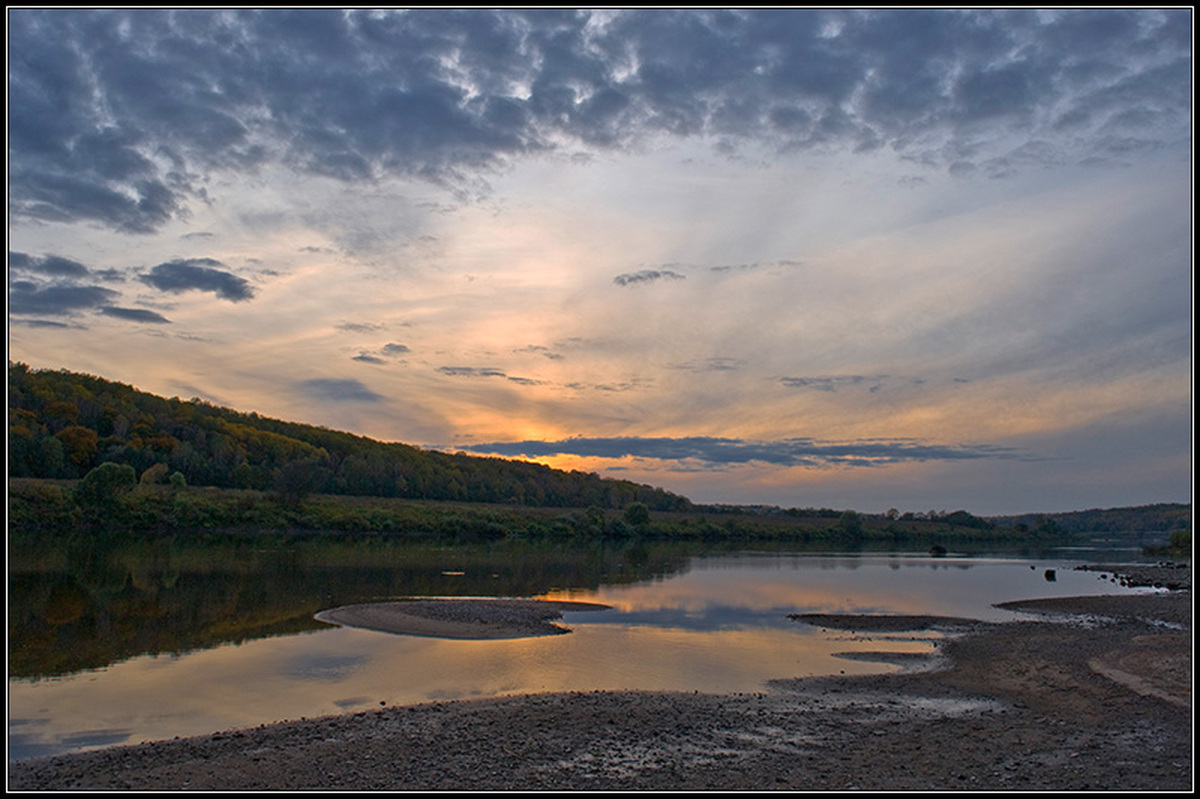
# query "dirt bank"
(1045, 704)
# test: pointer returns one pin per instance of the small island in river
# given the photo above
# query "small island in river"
(458, 618)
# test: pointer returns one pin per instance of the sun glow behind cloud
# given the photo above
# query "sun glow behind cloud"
(951, 228)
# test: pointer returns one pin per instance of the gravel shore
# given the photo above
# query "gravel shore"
(1092, 693)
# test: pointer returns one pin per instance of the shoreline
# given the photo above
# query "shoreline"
(1091, 693)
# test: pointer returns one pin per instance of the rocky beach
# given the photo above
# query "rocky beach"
(1083, 693)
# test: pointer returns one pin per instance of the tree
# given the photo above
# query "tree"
(295, 480)
(80, 444)
(637, 513)
(851, 524)
(1181, 543)
(619, 528)
(97, 492)
(155, 474)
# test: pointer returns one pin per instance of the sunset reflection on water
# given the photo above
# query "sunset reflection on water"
(720, 625)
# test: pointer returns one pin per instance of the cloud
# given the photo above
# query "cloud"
(646, 276)
(360, 327)
(41, 323)
(338, 390)
(537, 349)
(756, 265)
(789, 205)
(833, 383)
(52, 266)
(391, 350)
(719, 452)
(471, 371)
(50, 286)
(613, 388)
(484, 371)
(128, 137)
(713, 364)
(25, 297)
(135, 315)
(198, 274)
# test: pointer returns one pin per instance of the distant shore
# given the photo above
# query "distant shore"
(1091, 693)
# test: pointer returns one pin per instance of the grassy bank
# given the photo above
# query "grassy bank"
(48, 505)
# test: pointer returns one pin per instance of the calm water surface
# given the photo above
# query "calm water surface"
(715, 623)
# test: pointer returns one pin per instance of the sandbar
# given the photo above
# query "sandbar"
(459, 618)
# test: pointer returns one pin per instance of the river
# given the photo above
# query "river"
(129, 645)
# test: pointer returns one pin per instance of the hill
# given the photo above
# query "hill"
(1161, 518)
(62, 424)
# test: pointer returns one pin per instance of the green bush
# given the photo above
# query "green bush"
(1181, 542)
(100, 486)
(637, 513)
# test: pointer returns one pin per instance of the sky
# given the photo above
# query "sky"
(916, 259)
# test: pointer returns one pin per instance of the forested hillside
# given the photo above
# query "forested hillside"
(1163, 517)
(63, 424)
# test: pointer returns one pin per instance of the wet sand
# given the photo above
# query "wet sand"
(458, 618)
(1091, 693)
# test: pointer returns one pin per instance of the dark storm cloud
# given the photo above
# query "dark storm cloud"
(198, 274)
(646, 276)
(135, 315)
(719, 452)
(338, 390)
(119, 117)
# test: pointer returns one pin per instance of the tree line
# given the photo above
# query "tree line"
(63, 424)
(1157, 518)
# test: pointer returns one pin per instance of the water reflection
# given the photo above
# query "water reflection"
(90, 602)
(757, 589)
(242, 648)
